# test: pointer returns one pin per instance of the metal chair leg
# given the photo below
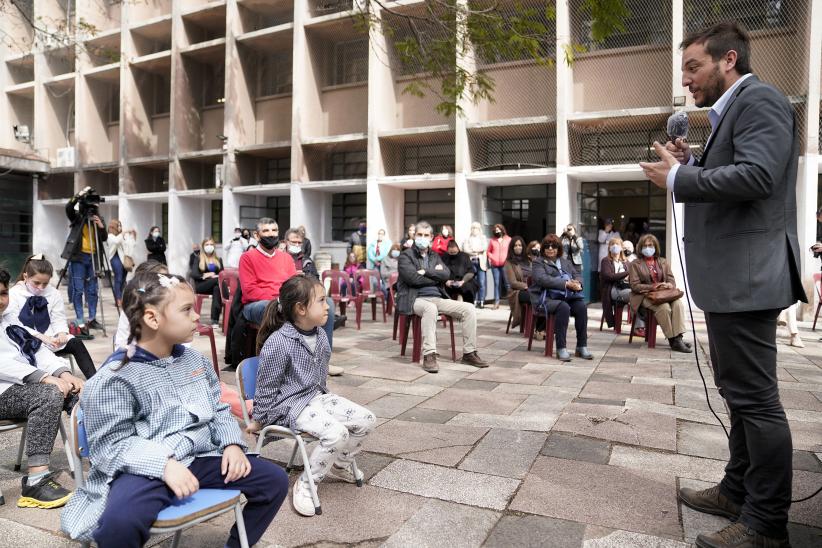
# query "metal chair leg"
(290, 464)
(238, 513)
(23, 446)
(307, 471)
(176, 542)
(356, 472)
(66, 447)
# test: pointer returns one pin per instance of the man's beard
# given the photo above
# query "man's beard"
(715, 87)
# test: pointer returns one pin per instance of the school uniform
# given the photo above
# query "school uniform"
(137, 417)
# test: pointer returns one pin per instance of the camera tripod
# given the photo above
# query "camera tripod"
(100, 267)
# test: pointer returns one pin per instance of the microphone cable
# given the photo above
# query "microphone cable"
(696, 345)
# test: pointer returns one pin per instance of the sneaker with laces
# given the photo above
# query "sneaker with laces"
(94, 324)
(47, 493)
(303, 503)
(739, 535)
(710, 501)
(344, 473)
(429, 363)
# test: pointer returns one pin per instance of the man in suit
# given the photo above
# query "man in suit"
(742, 256)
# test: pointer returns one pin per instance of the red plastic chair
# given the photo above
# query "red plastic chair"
(416, 328)
(207, 331)
(229, 280)
(550, 323)
(392, 296)
(368, 293)
(338, 279)
(817, 284)
(650, 329)
(617, 318)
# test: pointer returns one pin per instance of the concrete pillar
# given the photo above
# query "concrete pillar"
(565, 200)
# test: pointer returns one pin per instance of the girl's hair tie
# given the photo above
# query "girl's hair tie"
(141, 289)
(168, 281)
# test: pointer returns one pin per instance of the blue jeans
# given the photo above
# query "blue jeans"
(499, 282)
(253, 312)
(83, 280)
(480, 274)
(119, 278)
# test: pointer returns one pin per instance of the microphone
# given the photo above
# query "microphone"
(678, 126)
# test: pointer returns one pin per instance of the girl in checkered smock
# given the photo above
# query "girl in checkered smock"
(291, 388)
(157, 429)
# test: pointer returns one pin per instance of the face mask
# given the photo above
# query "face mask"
(445, 233)
(36, 291)
(155, 234)
(422, 243)
(615, 249)
(648, 251)
(294, 249)
(237, 233)
(209, 249)
(535, 252)
(395, 253)
(269, 242)
(497, 233)
(362, 230)
(380, 237)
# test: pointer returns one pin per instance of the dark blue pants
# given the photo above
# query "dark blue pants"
(577, 309)
(83, 280)
(134, 501)
(119, 276)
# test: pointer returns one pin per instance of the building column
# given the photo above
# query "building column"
(565, 199)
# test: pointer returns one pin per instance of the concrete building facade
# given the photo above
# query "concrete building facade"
(201, 116)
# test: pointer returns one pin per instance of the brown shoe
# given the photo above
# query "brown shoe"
(739, 535)
(472, 358)
(710, 501)
(429, 363)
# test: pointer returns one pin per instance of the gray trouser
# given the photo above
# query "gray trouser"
(41, 405)
(430, 308)
(669, 316)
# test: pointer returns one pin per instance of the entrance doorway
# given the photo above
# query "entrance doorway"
(524, 210)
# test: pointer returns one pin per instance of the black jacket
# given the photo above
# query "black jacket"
(74, 244)
(194, 267)
(156, 249)
(545, 275)
(410, 281)
(459, 265)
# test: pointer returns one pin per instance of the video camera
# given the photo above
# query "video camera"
(89, 201)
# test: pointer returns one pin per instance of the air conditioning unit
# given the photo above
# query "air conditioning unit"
(218, 176)
(65, 157)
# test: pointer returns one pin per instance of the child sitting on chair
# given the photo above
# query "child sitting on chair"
(157, 430)
(291, 388)
(35, 386)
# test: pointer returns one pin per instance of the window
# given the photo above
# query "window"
(164, 220)
(16, 215)
(349, 64)
(213, 84)
(275, 76)
(217, 220)
(114, 105)
(434, 205)
(346, 210)
(160, 94)
(349, 165)
(521, 153)
(625, 147)
(428, 159)
(754, 14)
(276, 207)
(525, 210)
(277, 170)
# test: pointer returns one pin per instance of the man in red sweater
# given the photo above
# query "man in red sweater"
(263, 270)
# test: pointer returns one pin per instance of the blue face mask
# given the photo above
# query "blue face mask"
(395, 253)
(422, 243)
(648, 251)
(615, 249)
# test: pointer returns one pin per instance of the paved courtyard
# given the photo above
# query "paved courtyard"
(528, 452)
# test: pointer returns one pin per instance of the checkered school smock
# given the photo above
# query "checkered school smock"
(140, 415)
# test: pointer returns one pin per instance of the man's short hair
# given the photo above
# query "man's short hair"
(721, 38)
(295, 231)
(266, 221)
(424, 225)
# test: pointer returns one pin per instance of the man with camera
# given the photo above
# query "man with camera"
(82, 251)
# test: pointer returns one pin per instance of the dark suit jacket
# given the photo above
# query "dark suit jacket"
(741, 245)
(410, 281)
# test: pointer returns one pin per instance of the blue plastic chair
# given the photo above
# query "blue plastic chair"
(181, 513)
(247, 383)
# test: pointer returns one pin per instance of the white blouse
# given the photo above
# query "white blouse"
(19, 294)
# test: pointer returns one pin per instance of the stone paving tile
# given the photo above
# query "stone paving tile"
(702, 440)
(805, 460)
(635, 369)
(508, 453)
(810, 511)
(393, 371)
(469, 384)
(693, 415)
(575, 490)
(567, 379)
(628, 426)
(803, 536)
(568, 446)
(345, 380)
(446, 525)
(418, 414)
(392, 405)
(694, 397)
(474, 401)
(531, 390)
(358, 394)
(515, 376)
(444, 378)
(597, 401)
(693, 522)
(807, 436)
(602, 377)
(399, 387)
(806, 375)
(662, 466)
(607, 390)
(620, 539)
(460, 486)
(13, 533)
(531, 531)
(427, 442)
(799, 399)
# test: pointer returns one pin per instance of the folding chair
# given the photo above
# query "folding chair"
(7, 425)
(247, 383)
(367, 292)
(180, 514)
(338, 279)
(229, 279)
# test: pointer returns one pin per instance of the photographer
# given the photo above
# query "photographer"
(81, 246)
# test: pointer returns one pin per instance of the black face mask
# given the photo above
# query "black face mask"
(269, 242)
(535, 252)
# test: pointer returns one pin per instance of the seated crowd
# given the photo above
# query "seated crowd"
(135, 414)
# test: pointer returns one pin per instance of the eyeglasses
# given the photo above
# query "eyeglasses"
(551, 246)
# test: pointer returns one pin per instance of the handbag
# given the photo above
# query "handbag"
(662, 296)
(128, 263)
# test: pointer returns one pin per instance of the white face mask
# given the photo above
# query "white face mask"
(615, 249)
(209, 249)
(648, 251)
(445, 232)
(155, 234)
(36, 291)
(294, 249)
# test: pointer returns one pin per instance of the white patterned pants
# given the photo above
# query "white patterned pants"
(340, 425)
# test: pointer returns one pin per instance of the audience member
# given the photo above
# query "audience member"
(441, 240)
(461, 285)
(389, 264)
(378, 250)
(572, 246)
(614, 285)
(556, 288)
(357, 244)
(263, 270)
(292, 391)
(409, 237)
(517, 272)
(156, 246)
(628, 251)
(250, 237)
(235, 248)
(120, 251)
(303, 263)
(497, 255)
(606, 233)
(631, 234)
(121, 336)
(36, 386)
(204, 268)
(36, 305)
(476, 245)
(306, 241)
(651, 273)
(420, 291)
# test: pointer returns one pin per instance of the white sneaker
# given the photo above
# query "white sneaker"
(796, 341)
(303, 503)
(345, 474)
(335, 370)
